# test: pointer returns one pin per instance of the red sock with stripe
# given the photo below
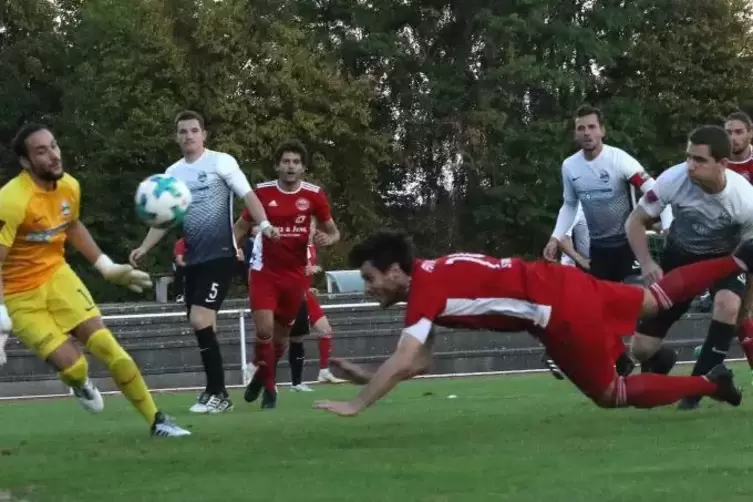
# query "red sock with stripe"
(685, 283)
(648, 390)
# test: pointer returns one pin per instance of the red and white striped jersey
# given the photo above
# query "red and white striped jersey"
(744, 168)
(291, 213)
(474, 291)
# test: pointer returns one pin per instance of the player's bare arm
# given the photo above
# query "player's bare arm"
(359, 375)
(567, 247)
(123, 275)
(327, 233)
(241, 230)
(635, 228)
(400, 366)
(152, 239)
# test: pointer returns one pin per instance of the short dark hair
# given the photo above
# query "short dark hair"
(586, 110)
(294, 146)
(716, 138)
(19, 140)
(383, 249)
(190, 115)
(742, 117)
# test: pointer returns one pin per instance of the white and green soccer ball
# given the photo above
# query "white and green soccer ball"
(162, 201)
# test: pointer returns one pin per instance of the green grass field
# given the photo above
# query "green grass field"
(521, 438)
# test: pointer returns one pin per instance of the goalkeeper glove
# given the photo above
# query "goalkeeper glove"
(6, 325)
(123, 275)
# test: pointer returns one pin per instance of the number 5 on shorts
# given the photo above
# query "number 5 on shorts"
(213, 292)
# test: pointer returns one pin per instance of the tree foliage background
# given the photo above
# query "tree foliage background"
(449, 119)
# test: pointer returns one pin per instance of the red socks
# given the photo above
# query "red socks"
(685, 283)
(325, 347)
(648, 390)
(745, 335)
(265, 361)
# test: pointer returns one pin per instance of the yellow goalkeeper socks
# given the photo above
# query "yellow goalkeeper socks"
(124, 372)
(76, 374)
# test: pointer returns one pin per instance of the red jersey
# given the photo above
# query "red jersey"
(475, 291)
(180, 247)
(743, 168)
(291, 213)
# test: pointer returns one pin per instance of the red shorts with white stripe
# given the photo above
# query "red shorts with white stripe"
(589, 320)
(315, 309)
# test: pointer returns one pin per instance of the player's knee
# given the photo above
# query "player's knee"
(614, 396)
(643, 347)
(201, 318)
(726, 306)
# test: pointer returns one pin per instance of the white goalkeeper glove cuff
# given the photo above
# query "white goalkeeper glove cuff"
(6, 325)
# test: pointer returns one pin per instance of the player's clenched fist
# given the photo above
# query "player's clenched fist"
(551, 249)
(123, 275)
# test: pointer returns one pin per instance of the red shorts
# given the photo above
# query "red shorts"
(588, 321)
(314, 308)
(280, 294)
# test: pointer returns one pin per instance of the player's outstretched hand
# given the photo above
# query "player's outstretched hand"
(551, 249)
(6, 326)
(338, 408)
(123, 275)
(350, 371)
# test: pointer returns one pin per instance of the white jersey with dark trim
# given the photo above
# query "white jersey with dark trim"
(208, 224)
(704, 224)
(601, 186)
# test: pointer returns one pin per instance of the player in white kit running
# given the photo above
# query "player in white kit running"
(213, 178)
(713, 212)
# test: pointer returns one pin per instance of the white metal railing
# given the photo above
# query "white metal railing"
(241, 314)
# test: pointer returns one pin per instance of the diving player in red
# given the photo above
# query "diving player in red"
(579, 319)
(739, 126)
(278, 281)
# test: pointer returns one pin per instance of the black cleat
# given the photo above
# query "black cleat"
(552, 366)
(624, 365)
(689, 403)
(744, 254)
(269, 400)
(726, 392)
(254, 387)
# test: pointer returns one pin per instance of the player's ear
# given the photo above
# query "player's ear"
(25, 163)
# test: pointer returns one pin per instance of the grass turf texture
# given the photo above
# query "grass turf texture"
(521, 438)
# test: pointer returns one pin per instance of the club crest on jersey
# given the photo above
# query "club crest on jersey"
(65, 208)
(428, 265)
(202, 177)
(302, 204)
(604, 177)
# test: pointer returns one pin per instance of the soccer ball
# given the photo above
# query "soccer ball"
(162, 201)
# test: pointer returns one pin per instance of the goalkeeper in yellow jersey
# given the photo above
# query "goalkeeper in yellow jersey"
(42, 300)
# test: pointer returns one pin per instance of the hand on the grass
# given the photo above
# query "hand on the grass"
(343, 409)
(350, 371)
